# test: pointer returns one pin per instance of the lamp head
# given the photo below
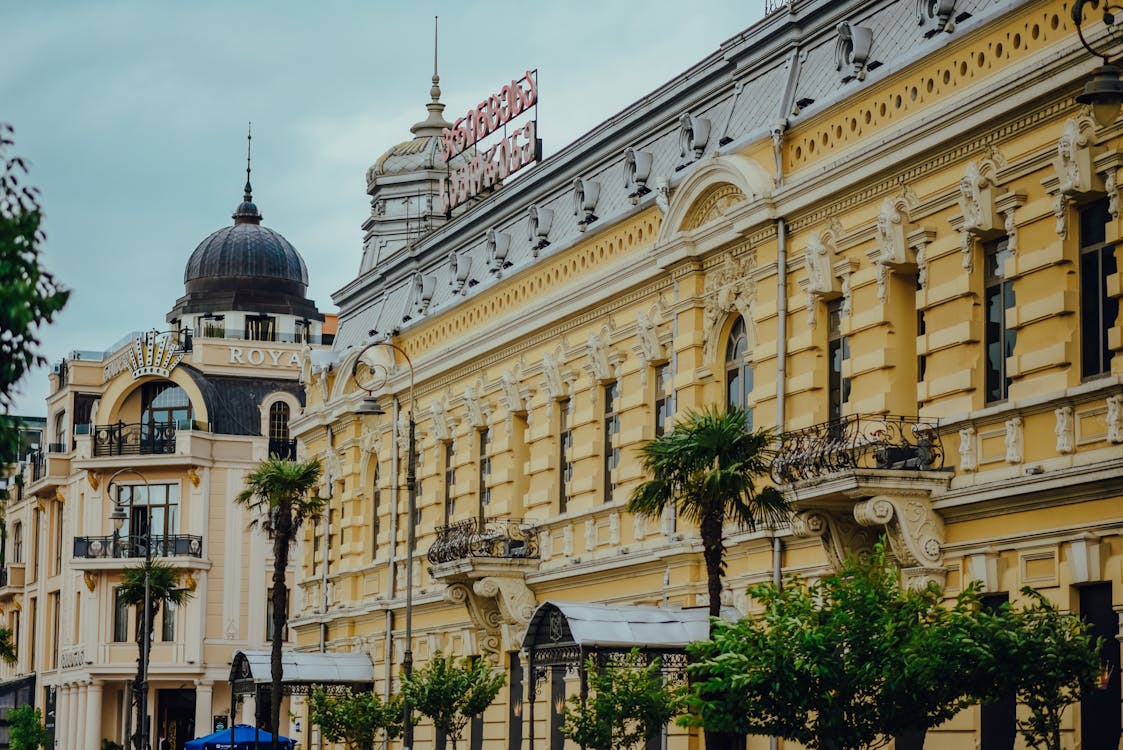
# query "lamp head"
(118, 517)
(370, 405)
(1105, 93)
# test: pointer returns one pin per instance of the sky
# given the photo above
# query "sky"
(133, 118)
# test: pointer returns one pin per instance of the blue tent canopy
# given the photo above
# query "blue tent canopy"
(238, 737)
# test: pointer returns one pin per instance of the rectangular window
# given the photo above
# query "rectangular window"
(998, 299)
(664, 399)
(1098, 310)
(375, 509)
(120, 617)
(1100, 716)
(17, 543)
(167, 621)
(33, 555)
(315, 549)
(998, 719)
(450, 483)
(565, 455)
(611, 437)
(56, 568)
(838, 352)
(269, 631)
(485, 470)
(261, 328)
(151, 509)
(213, 327)
(54, 612)
(303, 332)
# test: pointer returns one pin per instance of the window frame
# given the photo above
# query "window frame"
(565, 454)
(998, 293)
(1097, 250)
(838, 353)
(611, 448)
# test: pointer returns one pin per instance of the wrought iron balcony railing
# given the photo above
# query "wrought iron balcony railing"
(171, 545)
(145, 438)
(283, 449)
(859, 442)
(506, 538)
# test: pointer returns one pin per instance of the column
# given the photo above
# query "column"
(62, 715)
(93, 715)
(79, 725)
(204, 693)
(249, 710)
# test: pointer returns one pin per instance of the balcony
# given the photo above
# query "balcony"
(46, 470)
(858, 442)
(12, 579)
(484, 563)
(128, 547)
(142, 439)
(855, 479)
(495, 538)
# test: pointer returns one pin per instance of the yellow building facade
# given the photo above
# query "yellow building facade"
(886, 228)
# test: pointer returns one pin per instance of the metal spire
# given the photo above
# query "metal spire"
(435, 122)
(249, 151)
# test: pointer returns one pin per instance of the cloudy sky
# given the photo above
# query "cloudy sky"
(133, 116)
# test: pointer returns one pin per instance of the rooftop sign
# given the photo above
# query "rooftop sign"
(518, 148)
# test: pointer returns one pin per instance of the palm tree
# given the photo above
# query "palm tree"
(164, 589)
(280, 491)
(707, 470)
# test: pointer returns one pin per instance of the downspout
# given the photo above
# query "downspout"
(326, 516)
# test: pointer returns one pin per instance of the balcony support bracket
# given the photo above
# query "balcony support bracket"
(499, 606)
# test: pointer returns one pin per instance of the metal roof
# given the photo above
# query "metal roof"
(298, 667)
(591, 625)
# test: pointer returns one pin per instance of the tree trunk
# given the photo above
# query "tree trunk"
(281, 537)
(710, 528)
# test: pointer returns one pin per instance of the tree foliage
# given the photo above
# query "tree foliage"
(356, 719)
(708, 469)
(280, 491)
(627, 703)
(450, 693)
(842, 663)
(26, 730)
(1055, 662)
(29, 295)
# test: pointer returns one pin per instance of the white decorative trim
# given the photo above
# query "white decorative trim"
(1015, 441)
(1076, 175)
(693, 135)
(728, 287)
(1064, 430)
(852, 50)
(538, 223)
(968, 452)
(1114, 419)
(153, 353)
(586, 193)
(498, 247)
(637, 171)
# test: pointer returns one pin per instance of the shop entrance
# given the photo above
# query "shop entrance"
(175, 719)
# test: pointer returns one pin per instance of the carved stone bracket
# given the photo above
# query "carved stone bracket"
(820, 283)
(836, 528)
(499, 605)
(979, 218)
(915, 531)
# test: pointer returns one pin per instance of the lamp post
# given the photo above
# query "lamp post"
(118, 516)
(1105, 91)
(375, 378)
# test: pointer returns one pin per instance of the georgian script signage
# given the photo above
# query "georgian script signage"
(485, 168)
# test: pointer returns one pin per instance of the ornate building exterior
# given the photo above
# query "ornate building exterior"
(886, 228)
(164, 425)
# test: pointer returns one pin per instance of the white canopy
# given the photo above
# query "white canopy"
(300, 668)
(615, 626)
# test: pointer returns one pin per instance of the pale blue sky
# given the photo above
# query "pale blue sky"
(133, 116)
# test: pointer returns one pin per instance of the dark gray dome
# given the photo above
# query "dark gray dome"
(246, 250)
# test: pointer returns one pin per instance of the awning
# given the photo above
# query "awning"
(606, 626)
(300, 671)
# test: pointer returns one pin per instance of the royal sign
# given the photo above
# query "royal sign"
(484, 169)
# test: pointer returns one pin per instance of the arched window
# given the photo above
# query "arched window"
(738, 371)
(280, 444)
(165, 403)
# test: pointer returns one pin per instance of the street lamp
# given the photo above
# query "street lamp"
(1105, 91)
(371, 378)
(118, 517)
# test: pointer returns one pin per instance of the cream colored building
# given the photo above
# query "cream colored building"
(175, 419)
(886, 228)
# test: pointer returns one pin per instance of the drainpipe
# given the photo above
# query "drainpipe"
(391, 574)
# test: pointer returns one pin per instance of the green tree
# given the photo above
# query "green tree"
(708, 469)
(7, 646)
(627, 703)
(1048, 658)
(280, 491)
(29, 296)
(356, 719)
(26, 730)
(164, 588)
(451, 693)
(843, 663)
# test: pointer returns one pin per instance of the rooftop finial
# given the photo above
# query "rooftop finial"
(249, 151)
(435, 92)
(246, 212)
(435, 122)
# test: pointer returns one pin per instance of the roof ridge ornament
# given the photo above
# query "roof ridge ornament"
(246, 212)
